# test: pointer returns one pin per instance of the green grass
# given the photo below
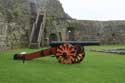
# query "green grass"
(96, 68)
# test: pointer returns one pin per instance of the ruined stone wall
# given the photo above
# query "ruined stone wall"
(17, 35)
(3, 34)
(108, 32)
(13, 35)
(19, 16)
(113, 32)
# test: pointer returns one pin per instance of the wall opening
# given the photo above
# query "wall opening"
(53, 37)
(60, 36)
(70, 34)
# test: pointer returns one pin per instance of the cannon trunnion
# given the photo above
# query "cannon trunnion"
(66, 52)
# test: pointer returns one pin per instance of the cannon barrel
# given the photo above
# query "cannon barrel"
(81, 43)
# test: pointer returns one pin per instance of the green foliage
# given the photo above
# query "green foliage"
(96, 68)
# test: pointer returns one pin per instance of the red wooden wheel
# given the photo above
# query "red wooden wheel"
(69, 54)
(66, 53)
(80, 54)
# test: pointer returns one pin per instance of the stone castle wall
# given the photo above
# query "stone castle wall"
(17, 21)
(3, 34)
(108, 32)
(15, 31)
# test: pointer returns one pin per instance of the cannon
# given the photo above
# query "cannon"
(66, 52)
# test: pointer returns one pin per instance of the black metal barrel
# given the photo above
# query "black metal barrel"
(82, 43)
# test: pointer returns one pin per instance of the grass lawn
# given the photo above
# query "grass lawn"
(96, 68)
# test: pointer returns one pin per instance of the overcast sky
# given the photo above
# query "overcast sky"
(95, 9)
